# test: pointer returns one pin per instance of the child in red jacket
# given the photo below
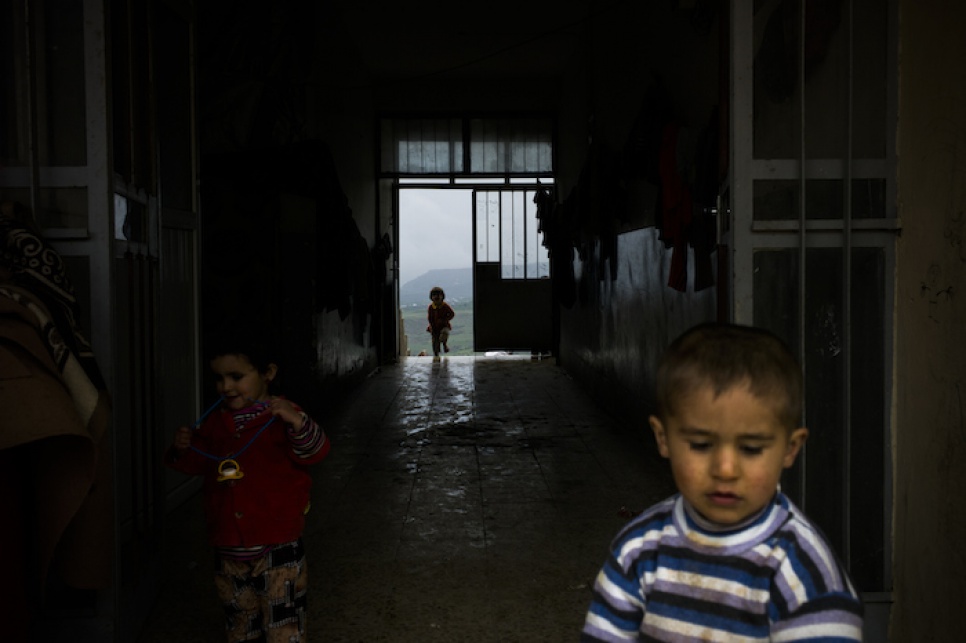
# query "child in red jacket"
(254, 449)
(439, 315)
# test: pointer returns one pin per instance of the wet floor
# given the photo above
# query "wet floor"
(470, 499)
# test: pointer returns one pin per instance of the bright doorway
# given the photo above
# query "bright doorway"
(436, 249)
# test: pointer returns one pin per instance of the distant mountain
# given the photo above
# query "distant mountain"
(456, 282)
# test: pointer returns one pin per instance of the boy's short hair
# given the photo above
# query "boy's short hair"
(723, 356)
(437, 289)
(239, 338)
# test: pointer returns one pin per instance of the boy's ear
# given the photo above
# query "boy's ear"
(271, 371)
(795, 443)
(660, 434)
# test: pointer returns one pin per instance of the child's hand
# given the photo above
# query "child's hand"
(182, 438)
(284, 409)
(429, 329)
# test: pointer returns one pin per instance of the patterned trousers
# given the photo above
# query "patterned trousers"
(265, 598)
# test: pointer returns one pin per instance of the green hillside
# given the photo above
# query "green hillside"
(460, 338)
(457, 282)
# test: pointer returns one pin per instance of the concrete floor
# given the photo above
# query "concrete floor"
(471, 499)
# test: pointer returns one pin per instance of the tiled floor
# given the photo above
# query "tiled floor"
(470, 499)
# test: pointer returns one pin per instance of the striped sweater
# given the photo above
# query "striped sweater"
(672, 576)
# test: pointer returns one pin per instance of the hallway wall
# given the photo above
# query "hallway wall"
(930, 441)
(643, 70)
(286, 139)
(614, 336)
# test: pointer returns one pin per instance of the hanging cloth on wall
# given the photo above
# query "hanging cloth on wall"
(676, 208)
(703, 234)
(55, 417)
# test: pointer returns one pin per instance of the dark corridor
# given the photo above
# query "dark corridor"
(465, 500)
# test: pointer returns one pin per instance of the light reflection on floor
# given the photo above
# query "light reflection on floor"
(470, 499)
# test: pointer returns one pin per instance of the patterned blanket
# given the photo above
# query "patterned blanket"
(54, 412)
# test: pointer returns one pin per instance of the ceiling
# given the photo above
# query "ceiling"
(501, 38)
(380, 40)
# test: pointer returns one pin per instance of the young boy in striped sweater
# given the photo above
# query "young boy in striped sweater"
(729, 557)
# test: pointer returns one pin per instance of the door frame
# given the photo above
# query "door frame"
(743, 236)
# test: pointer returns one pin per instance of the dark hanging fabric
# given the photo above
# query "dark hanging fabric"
(687, 198)
(584, 195)
(381, 252)
(610, 204)
(571, 211)
(546, 222)
(601, 205)
(55, 421)
(339, 253)
(559, 243)
(676, 209)
(703, 231)
(704, 241)
(342, 261)
(641, 153)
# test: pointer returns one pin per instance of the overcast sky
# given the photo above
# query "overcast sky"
(434, 231)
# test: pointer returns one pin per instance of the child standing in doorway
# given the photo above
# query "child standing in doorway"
(729, 556)
(253, 449)
(439, 314)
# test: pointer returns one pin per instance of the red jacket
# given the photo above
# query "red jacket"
(439, 317)
(267, 505)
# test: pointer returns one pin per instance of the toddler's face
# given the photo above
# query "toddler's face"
(436, 296)
(239, 382)
(727, 453)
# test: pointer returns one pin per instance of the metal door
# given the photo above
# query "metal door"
(92, 151)
(512, 291)
(808, 214)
